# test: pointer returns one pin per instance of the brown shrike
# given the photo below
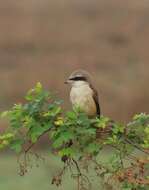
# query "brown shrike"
(83, 94)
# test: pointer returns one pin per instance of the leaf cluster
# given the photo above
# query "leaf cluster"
(75, 137)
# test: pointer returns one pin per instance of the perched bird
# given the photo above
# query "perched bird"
(83, 94)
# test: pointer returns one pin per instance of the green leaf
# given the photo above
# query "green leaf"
(93, 148)
(83, 120)
(62, 138)
(28, 121)
(29, 95)
(6, 139)
(141, 116)
(35, 132)
(37, 94)
(56, 111)
(16, 145)
(67, 152)
(7, 136)
(118, 128)
(102, 122)
(71, 115)
(4, 114)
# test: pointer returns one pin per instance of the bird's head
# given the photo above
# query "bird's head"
(78, 77)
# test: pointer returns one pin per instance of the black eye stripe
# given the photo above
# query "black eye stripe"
(78, 78)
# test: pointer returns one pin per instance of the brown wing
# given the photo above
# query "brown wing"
(95, 97)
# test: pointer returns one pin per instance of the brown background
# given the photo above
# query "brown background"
(45, 40)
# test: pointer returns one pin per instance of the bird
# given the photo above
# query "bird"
(83, 94)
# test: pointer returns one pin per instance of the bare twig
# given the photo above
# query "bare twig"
(77, 166)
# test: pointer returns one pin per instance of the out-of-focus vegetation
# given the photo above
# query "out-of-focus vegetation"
(79, 140)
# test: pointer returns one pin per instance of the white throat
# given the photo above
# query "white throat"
(80, 83)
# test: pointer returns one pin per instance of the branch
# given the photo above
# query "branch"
(136, 146)
(32, 144)
(77, 166)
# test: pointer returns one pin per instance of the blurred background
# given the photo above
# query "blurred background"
(45, 40)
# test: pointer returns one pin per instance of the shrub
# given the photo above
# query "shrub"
(79, 141)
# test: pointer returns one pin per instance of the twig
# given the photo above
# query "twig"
(81, 177)
(136, 146)
(77, 166)
(32, 144)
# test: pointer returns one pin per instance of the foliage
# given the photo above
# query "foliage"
(79, 141)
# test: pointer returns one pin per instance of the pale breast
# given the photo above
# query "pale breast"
(82, 96)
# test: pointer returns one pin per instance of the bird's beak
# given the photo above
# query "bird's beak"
(68, 81)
